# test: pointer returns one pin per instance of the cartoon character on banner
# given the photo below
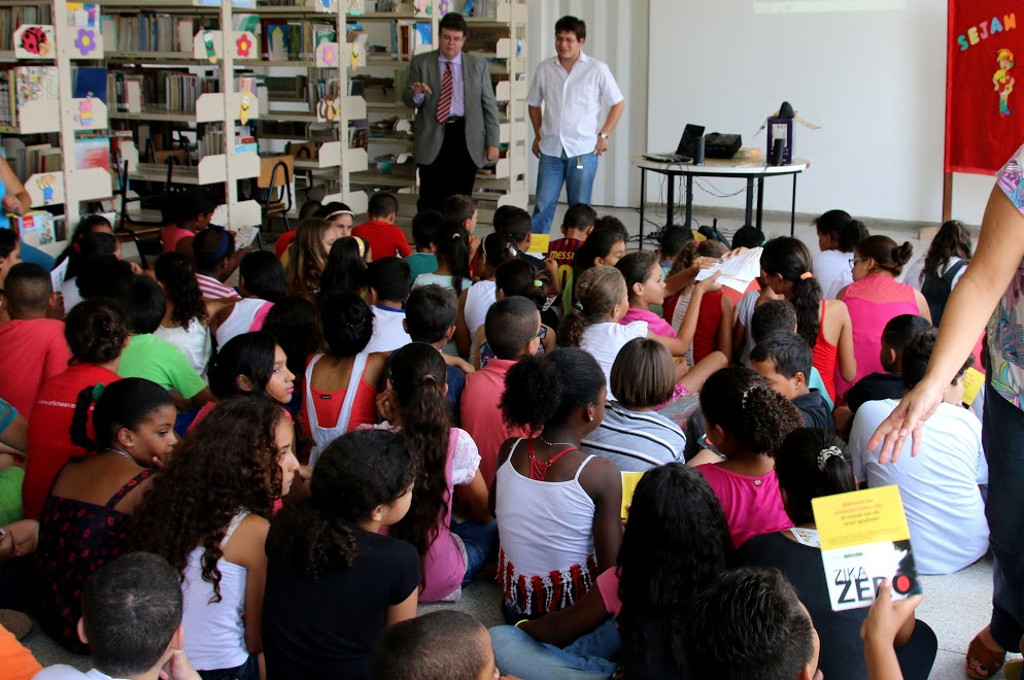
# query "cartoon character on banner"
(46, 184)
(327, 109)
(1003, 81)
(36, 40)
(85, 111)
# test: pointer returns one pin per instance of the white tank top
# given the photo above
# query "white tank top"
(544, 526)
(214, 631)
(241, 320)
(322, 436)
(479, 298)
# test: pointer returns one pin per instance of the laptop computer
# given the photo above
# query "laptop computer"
(684, 152)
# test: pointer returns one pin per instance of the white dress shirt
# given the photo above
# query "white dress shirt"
(572, 104)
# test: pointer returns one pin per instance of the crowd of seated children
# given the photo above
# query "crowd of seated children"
(632, 434)
(451, 248)
(675, 543)
(495, 249)
(514, 323)
(557, 509)
(186, 315)
(874, 297)
(32, 346)
(595, 325)
(940, 486)
(424, 225)
(295, 324)
(185, 214)
(213, 251)
(390, 283)
(938, 272)
(780, 315)
(307, 255)
(84, 519)
(341, 383)
(783, 359)
(380, 233)
(207, 513)
(414, 404)
(260, 283)
(96, 332)
(250, 363)
(838, 235)
(430, 318)
(746, 421)
(346, 269)
(147, 356)
(334, 580)
(813, 463)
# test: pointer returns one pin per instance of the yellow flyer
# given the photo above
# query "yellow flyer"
(865, 540)
(629, 482)
(972, 381)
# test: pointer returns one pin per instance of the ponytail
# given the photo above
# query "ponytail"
(452, 248)
(812, 463)
(598, 290)
(807, 297)
(79, 429)
(124, 403)
(788, 257)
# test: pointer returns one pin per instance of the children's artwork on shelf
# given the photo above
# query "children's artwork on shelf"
(87, 44)
(327, 55)
(35, 228)
(355, 7)
(208, 46)
(245, 43)
(47, 186)
(327, 109)
(444, 7)
(276, 37)
(83, 14)
(45, 189)
(421, 7)
(33, 41)
(84, 116)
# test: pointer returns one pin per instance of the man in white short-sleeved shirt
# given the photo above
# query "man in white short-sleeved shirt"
(568, 136)
(939, 486)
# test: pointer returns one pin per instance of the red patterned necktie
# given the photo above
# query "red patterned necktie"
(444, 105)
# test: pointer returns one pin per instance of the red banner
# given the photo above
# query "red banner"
(984, 87)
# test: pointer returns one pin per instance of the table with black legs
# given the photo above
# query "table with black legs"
(751, 171)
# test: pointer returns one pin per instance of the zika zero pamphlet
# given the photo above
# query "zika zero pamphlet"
(865, 540)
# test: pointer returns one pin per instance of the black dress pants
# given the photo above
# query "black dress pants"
(452, 172)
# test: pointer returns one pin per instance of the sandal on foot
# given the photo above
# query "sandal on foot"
(982, 662)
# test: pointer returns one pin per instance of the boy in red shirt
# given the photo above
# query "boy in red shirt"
(576, 226)
(385, 239)
(32, 347)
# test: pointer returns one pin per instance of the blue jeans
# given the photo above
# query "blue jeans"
(481, 542)
(588, 658)
(552, 173)
(1002, 432)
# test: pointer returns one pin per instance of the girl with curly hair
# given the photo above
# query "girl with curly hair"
(824, 324)
(208, 515)
(97, 332)
(415, 404)
(333, 581)
(746, 421)
(557, 508)
(187, 317)
(676, 542)
(306, 257)
(603, 302)
(813, 463)
(261, 284)
(86, 514)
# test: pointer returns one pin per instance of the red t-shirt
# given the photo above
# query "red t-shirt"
(708, 321)
(49, 441)
(31, 352)
(385, 239)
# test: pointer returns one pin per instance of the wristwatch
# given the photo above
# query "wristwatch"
(602, 135)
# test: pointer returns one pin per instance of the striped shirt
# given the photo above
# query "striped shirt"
(634, 441)
(212, 289)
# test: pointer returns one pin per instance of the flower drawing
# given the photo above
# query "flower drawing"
(86, 41)
(330, 55)
(244, 45)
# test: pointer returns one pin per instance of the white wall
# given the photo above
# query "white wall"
(875, 81)
(617, 35)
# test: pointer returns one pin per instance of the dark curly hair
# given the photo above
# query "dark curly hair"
(228, 462)
(177, 275)
(348, 323)
(598, 290)
(96, 330)
(417, 374)
(636, 267)
(805, 473)
(122, 403)
(356, 472)
(295, 323)
(676, 542)
(789, 257)
(742, 403)
(544, 390)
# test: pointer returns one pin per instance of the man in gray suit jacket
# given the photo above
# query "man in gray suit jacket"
(456, 127)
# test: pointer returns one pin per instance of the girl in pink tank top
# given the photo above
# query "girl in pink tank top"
(875, 297)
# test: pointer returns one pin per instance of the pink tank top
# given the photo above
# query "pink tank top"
(873, 302)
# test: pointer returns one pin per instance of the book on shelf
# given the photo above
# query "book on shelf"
(36, 228)
(170, 90)
(152, 32)
(92, 152)
(282, 40)
(89, 81)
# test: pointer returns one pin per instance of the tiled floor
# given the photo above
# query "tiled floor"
(955, 606)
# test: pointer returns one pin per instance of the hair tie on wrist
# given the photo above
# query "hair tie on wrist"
(806, 275)
(825, 454)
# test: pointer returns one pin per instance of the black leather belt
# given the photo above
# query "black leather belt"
(454, 119)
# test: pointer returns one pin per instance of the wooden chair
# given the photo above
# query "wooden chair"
(274, 187)
(136, 228)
